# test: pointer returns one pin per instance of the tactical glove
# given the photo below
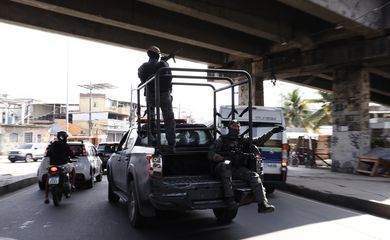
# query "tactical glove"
(277, 129)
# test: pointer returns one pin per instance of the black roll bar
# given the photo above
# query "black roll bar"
(156, 79)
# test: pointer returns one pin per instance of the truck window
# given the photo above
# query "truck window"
(122, 143)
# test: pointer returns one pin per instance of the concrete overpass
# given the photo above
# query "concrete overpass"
(341, 46)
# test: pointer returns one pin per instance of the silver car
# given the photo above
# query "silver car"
(88, 165)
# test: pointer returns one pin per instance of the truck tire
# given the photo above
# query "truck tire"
(225, 215)
(136, 219)
(112, 197)
(269, 189)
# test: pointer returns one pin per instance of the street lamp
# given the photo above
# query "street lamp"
(95, 86)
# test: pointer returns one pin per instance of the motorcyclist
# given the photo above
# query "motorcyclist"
(59, 154)
(145, 72)
(226, 155)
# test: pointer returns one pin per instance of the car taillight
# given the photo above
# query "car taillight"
(154, 164)
(84, 151)
(284, 155)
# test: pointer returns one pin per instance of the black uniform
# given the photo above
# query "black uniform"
(59, 153)
(227, 147)
(231, 147)
(146, 71)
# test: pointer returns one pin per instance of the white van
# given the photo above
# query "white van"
(274, 151)
(27, 152)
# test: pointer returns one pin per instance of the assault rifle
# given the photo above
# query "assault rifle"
(171, 55)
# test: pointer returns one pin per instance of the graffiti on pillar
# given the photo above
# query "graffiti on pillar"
(355, 140)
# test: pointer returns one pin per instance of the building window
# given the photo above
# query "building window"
(13, 137)
(28, 137)
(95, 104)
(39, 138)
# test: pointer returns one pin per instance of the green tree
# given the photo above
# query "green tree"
(322, 116)
(296, 110)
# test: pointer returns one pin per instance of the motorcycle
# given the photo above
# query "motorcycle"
(59, 183)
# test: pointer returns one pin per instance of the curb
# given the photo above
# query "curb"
(370, 207)
(18, 185)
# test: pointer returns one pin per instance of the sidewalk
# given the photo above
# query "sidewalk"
(360, 192)
(14, 176)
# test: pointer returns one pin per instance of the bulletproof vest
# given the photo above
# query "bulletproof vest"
(230, 143)
(148, 69)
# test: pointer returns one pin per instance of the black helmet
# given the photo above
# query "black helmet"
(154, 52)
(62, 136)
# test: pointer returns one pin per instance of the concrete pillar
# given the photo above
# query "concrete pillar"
(351, 132)
(257, 86)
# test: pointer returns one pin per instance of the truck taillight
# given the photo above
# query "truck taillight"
(154, 164)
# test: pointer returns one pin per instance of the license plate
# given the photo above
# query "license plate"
(271, 165)
(54, 180)
(11, 157)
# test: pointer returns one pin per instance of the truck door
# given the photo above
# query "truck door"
(117, 161)
(125, 157)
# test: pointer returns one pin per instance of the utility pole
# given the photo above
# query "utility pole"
(90, 87)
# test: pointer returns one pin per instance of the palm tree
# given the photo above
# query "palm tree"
(295, 110)
(323, 116)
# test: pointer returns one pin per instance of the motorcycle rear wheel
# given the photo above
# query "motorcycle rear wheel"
(57, 196)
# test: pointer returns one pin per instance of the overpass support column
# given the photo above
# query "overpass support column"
(257, 86)
(351, 132)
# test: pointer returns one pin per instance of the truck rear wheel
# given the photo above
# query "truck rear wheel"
(112, 197)
(136, 219)
(269, 189)
(225, 215)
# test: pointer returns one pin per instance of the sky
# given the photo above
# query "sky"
(43, 65)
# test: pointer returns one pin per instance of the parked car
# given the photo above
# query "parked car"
(105, 150)
(88, 165)
(27, 152)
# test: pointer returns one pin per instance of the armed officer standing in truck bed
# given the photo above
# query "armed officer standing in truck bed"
(145, 72)
(229, 162)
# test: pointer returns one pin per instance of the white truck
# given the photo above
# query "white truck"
(274, 151)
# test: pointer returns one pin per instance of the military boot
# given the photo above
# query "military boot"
(265, 207)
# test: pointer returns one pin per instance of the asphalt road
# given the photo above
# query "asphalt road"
(88, 215)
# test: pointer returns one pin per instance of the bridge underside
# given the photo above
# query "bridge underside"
(298, 41)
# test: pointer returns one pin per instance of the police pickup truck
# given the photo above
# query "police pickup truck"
(150, 178)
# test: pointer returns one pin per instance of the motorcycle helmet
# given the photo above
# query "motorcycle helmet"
(62, 136)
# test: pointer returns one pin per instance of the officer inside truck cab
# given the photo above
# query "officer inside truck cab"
(228, 160)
